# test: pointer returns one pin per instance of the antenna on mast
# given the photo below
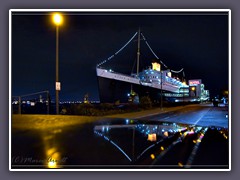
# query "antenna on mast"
(138, 50)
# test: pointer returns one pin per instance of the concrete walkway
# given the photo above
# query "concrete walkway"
(146, 113)
(39, 121)
(48, 121)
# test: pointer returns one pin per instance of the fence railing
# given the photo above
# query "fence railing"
(37, 102)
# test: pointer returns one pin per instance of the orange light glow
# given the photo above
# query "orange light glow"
(152, 156)
(152, 137)
(57, 19)
(180, 164)
(52, 164)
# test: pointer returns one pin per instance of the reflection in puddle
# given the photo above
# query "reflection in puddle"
(122, 143)
(52, 154)
(141, 140)
(118, 147)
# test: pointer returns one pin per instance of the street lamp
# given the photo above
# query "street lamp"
(57, 19)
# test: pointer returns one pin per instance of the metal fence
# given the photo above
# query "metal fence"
(33, 103)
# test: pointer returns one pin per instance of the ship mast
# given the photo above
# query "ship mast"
(138, 51)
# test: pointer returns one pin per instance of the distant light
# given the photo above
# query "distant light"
(166, 133)
(224, 135)
(162, 148)
(180, 164)
(15, 102)
(152, 156)
(191, 132)
(193, 88)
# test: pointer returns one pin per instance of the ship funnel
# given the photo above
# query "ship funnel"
(156, 66)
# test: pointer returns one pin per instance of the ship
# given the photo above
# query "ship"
(155, 82)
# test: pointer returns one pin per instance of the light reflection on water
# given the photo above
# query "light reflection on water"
(142, 137)
(128, 142)
(51, 148)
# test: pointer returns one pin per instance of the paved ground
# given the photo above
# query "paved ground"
(85, 141)
(49, 121)
(45, 121)
(198, 114)
(217, 116)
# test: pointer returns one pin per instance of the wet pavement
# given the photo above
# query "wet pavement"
(202, 115)
(118, 143)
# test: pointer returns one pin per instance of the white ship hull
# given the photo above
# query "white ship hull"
(116, 87)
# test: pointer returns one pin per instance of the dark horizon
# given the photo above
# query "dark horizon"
(197, 42)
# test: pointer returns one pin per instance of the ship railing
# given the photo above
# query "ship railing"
(113, 72)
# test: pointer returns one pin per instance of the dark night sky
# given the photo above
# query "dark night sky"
(196, 42)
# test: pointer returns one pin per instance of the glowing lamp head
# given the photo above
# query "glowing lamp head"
(57, 19)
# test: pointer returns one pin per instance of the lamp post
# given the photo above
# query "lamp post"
(161, 90)
(57, 19)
